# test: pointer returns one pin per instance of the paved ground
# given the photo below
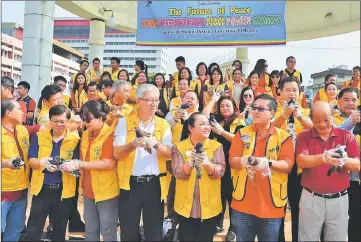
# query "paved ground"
(218, 237)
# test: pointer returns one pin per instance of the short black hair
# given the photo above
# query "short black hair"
(92, 84)
(347, 90)
(290, 57)
(115, 59)
(180, 59)
(252, 73)
(25, 84)
(82, 61)
(189, 73)
(7, 82)
(50, 90)
(356, 67)
(106, 73)
(289, 79)
(210, 67)
(60, 78)
(199, 65)
(96, 59)
(7, 104)
(108, 83)
(272, 105)
(59, 110)
(140, 63)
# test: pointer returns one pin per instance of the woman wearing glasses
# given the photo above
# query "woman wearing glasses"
(99, 179)
(226, 126)
(272, 89)
(247, 98)
(198, 181)
(256, 152)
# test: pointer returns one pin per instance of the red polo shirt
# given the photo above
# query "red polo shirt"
(315, 178)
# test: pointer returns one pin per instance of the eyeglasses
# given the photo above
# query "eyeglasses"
(86, 119)
(265, 65)
(59, 121)
(259, 109)
(149, 101)
(247, 95)
(275, 76)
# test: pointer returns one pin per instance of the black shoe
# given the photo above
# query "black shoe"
(24, 230)
(231, 236)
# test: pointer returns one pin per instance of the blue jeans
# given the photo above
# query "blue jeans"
(248, 226)
(13, 215)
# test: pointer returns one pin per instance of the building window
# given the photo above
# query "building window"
(340, 76)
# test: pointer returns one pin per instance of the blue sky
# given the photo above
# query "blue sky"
(312, 55)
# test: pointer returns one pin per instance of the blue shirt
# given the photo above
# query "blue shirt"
(51, 177)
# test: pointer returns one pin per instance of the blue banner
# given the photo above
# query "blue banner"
(210, 23)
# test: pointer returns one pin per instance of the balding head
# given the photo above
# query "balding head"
(322, 117)
(321, 108)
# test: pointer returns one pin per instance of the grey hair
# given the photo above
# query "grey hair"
(146, 88)
(118, 86)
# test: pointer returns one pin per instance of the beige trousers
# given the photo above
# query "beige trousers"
(317, 212)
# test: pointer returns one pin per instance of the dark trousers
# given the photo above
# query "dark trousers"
(226, 195)
(195, 229)
(294, 191)
(142, 198)
(48, 198)
(75, 221)
(354, 225)
(170, 201)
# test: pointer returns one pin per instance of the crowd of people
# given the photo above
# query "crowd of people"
(195, 142)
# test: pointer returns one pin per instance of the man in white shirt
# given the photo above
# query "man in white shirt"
(142, 167)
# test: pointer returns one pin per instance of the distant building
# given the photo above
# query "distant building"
(65, 59)
(342, 73)
(75, 33)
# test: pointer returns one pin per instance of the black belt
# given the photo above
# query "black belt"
(329, 195)
(53, 186)
(146, 178)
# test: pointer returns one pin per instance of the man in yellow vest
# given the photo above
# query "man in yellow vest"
(291, 71)
(142, 167)
(115, 64)
(61, 82)
(180, 62)
(52, 189)
(96, 72)
(346, 118)
(14, 173)
(84, 65)
(256, 152)
(51, 96)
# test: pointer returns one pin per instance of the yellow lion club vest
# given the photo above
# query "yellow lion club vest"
(104, 182)
(93, 74)
(209, 188)
(14, 180)
(125, 166)
(87, 78)
(277, 181)
(298, 126)
(338, 118)
(322, 95)
(67, 148)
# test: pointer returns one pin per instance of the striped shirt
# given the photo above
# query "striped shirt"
(178, 171)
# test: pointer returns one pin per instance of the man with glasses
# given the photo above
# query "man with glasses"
(96, 72)
(52, 190)
(291, 71)
(256, 152)
(142, 169)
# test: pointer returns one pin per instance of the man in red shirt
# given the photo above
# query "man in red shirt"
(23, 91)
(324, 200)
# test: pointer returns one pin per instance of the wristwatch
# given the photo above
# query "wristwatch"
(269, 163)
(156, 146)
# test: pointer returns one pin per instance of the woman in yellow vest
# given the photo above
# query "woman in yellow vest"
(224, 128)
(215, 85)
(261, 156)
(321, 94)
(176, 102)
(164, 97)
(198, 181)
(52, 189)
(14, 179)
(99, 176)
(201, 80)
(184, 73)
(331, 92)
(79, 92)
(123, 75)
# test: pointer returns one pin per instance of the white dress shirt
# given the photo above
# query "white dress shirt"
(144, 163)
